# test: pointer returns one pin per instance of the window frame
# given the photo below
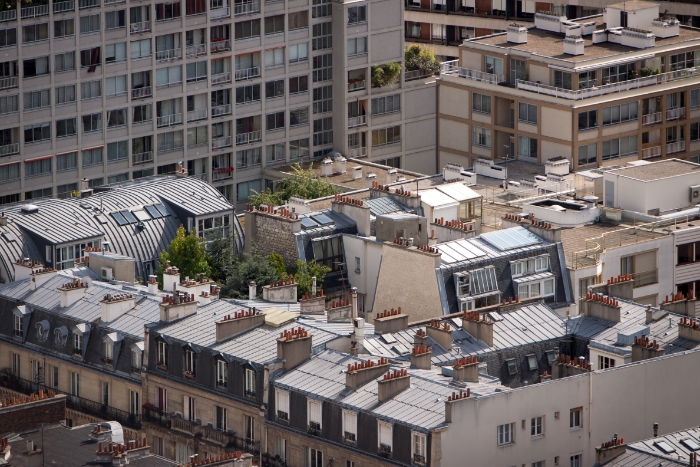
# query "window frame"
(505, 434)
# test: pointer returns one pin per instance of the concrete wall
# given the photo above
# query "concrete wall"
(454, 135)
(453, 101)
(370, 254)
(269, 233)
(556, 123)
(663, 194)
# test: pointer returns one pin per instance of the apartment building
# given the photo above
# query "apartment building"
(117, 90)
(598, 91)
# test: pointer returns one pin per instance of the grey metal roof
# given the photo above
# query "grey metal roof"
(646, 453)
(385, 205)
(58, 222)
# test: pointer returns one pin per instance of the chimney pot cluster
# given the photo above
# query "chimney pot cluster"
(242, 314)
(513, 217)
(604, 299)
(420, 333)
(91, 249)
(22, 399)
(211, 460)
(467, 227)
(399, 191)
(644, 342)
(473, 316)
(459, 395)
(613, 442)
(117, 297)
(579, 362)
(76, 284)
(395, 374)
(42, 271)
(546, 373)
(4, 442)
(367, 364)
(30, 263)
(391, 312)
(510, 300)
(172, 270)
(345, 199)
(689, 322)
(298, 333)
(680, 296)
(618, 279)
(119, 449)
(282, 283)
(341, 302)
(460, 362)
(435, 323)
(420, 350)
(269, 209)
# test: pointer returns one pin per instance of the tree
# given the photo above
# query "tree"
(421, 58)
(252, 266)
(305, 274)
(220, 253)
(278, 263)
(385, 74)
(303, 183)
(186, 252)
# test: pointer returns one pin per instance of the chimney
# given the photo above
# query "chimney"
(453, 400)
(357, 172)
(602, 306)
(252, 290)
(478, 326)
(545, 376)
(177, 306)
(565, 366)
(115, 305)
(26, 268)
(516, 34)
(237, 323)
(643, 349)
(359, 332)
(371, 177)
(327, 167)
(680, 304)
(294, 347)
(390, 321)
(353, 298)
(313, 286)
(362, 371)
(313, 304)
(609, 450)
(340, 164)
(466, 370)
(32, 457)
(3, 219)
(440, 334)
(281, 291)
(204, 298)
(421, 357)
(171, 277)
(420, 338)
(153, 284)
(689, 328)
(199, 287)
(299, 205)
(393, 383)
(356, 210)
(72, 291)
(392, 176)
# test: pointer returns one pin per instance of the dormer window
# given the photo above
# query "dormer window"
(282, 399)
(189, 363)
(221, 373)
(77, 343)
(60, 336)
(107, 352)
(18, 329)
(250, 382)
(42, 330)
(315, 414)
(529, 266)
(162, 355)
(136, 359)
(350, 426)
(386, 438)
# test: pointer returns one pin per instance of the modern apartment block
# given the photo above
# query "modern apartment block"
(598, 91)
(109, 90)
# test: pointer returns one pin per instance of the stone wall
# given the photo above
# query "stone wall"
(30, 415)
(272, 233)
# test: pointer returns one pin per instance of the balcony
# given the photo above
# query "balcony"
(650, 152)
(186, 426)
(141, 27)
(356, 85)
(221, 78)
(35, 11)
(220, 45)
(217, 13)
(141, 93)
(219, 110)
(217, 436)
(169, 120)
(248, 138)
(142, 158)
(651, 119)
(246, 8)
(452, 68)
(247, 73)
(195, 50)
(675, 114)
(357, 152)
(9, 149)
(194, 115)
(83, 4)
(357, 121)
(220, 142)
(167, 146)
(9, 82)
(416, 74)
(674, 147)
(168, 55)
(645, 278)
(222, 173)
(8, 15)
(61, 7)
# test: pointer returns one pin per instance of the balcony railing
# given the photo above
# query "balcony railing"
(216, 13)
(247, 73)
(357, 152)
(648, 153)
(34, 11)
(675, 114)
(217, 436)
(219, 110)
(650, 119)
(357, 121)
(221, 142)
(82, 4)
(138, 28)
(417, 74)
(452, 68)
(220, 45)
(168, 55)
(141, 93)
(196, 50)
(246, 8)
(169, 120)
(676, 146)
(194, 115)
(60, 7)
(645, 278)
(142, 158)
(9, 149)
(186, 426)
(9, 82)
(8, 15)
(167, 146)
(221, 78)
(247, 138)
(356, 85)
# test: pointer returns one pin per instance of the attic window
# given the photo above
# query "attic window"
(512, 367)
(163, 212)
(532, 362)
(9, 237)
(128, 216)
(690, 444)
(550, 357)
(664, 447)
(153, 212)
(119, 218)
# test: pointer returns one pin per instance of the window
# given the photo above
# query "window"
(298, 52)
(695, 98)
(299, 117)
(357, 14)
(9, 172)
(183, 453)
(67, 161)
(118, 178)
(620, 113)
(323, 99)
(115, 52)
(536, 426)
(64, 62)
(167, 11)
(136, 357)
(322, 36)
(299, 148)
(248, 94)
(162, 354)
(349, 426)
(385, 437)
(196, 71)
(323, 131)
(575, 460)
(619, 147)
(250, 376)
(274, 89)
(481, 136)
(512, 367)
(274, 25)
(75, 384)
(140, 49)
(605, 362)
(221, 418)
(89, 24)
(142, 113)
(314, 411)
(386, 136)
(386, 105)
(245, 189)
(588, 154)
(298, 20)
(8, 37)
(493, 65)
(35, 100)
(419, 448)
(531, 362)
(248, 158)
(115, 19)
(10, 104)
(91, 90)
(328, 251)
(357, 46)
(275, 121)
(35, 33)
(116, 86)
(321, 8)
(274, 57)
(481, 103)
(298, 84)
(169, 76)
(197, 136)
(562, 79)
(18, 330)
(189, 409)
(133, 402)
(90, 58)
(694, 132)
(37, 132)
(63, 28)
(682, 61)
(527, 113)
(195, 7)
(117, 151)
(315, 458)
(247, 29)
(92, 157)
(36, 67)
(505, 433)
(92, 122)
(587, 120)
(66, 127)
(575, 418)
(274, 153)
(527, 147)
(587, 79)
(618, 73)
(322, 68)
(282, 401)
(116, 118)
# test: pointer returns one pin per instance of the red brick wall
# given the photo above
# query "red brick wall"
(24, 417)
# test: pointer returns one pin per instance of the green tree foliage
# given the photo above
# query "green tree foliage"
(220, 252)
(278, 263)
(303, 183)
(305, 274)
(252, 266)
(385, 74)
(188, 253)
(421, 58)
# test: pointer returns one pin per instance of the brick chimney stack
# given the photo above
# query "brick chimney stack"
(390, 321)
(392, 384)
(610, 450)
(440, 333)
(294, 347)
(421, 357)
(361, 372)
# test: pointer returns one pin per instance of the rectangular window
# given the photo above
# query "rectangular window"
(89, 24)
(162, 356)
(195, 7)
(35, 100)
(357, 14)
(588, 154)
(221, 374)
(115, 52)
(299, 116)
(587, 79)
(35, 33)
(65, 191)
(116, 86)
(9, 104)
(142, 113)
(481, 103)
(65, 94)
(170, 141)
(481, 136)
(118, 178)
(505, 433)
(527, 147)
(322, 36)
(36, 67)
(11, 172)
(196, 71)
(221, 418)
(536, 426)
(167, 11)
(575, 418)
(357, 46)
(92, 122)
(134, 406)
(527, 113)
(189, 409)
(575, 460)
(115, 19)
(66, 127)
(323, 99)
(314, 411)
(322, 68)
(275, 121)
(8, 38)
(562, 79)
(605, 362)
(140, 49)
(620, 113)
(298, 84)
(274, 153)
(197, 136)
(274, 57)
(64, 62)
(248, 94)
(169, 76)
(385, 437)
(67, 161)
(695, 98)
(323, 131)
(38, 168)
(298, 52)
(682, 61)
(90, 58)
(92, 157)
(386, 105)
(63, 28)
(75, 384)
(37, 132)
(117, 151)
(274, 89)
(299, 148)
(587, 120)
(116, 118)
(619, 147)
(695, 131)
(274, 25)
(245, 189)
(250, 376)
(386, 136)
(282, 401)
(247, 29)
(298, 20)
(419, 444)
(321, 8)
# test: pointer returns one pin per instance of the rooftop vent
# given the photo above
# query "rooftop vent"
(30, 209)
(638, 38)
(573, 45)
(517, 34)
(327, 167)
(549, 21)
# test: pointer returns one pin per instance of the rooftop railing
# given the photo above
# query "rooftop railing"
(451, 68)
(34, 11)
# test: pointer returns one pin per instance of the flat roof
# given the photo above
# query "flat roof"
(657, 170)
(633, 5)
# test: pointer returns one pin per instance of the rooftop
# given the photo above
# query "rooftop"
(677, 447)
(657, 170)
(633, 5)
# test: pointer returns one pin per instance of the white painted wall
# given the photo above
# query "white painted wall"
(370, 254)
(664, 194)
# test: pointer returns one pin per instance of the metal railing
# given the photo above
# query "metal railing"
(195, 50)
(167, 146)
(357, 121)
(221, 142)
(220, 45)
(8, 15)
(142, 158)
(676, 146)
(648, 153)
(583, 259)
(9, 149)
(34, 11)
(246, 8)
(356, 85)
(220, 110)
(221, 78)
(60, 7)
(357, 152)
(417, 74)
(650, 119)
(675, 114)
(169, 120)
(451, 68)
(247, 73)
(9, 82)
(82, 4)
(216, 13)
(167, 55)
(141, 93)
(137, 28)
(194, 115)
(645, 278)
(247, 138)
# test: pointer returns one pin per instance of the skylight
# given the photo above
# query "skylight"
(322, 219)
(153, 212)
(308, 223)
(141, 215)
(164, 212)
(664, 446)
(128, 216)
(510, 239)
(119, 218)
(690, 444)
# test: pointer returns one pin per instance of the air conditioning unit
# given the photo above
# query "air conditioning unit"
(107, 274)
(695, 194)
